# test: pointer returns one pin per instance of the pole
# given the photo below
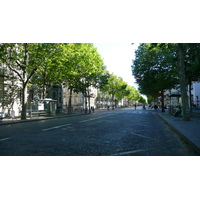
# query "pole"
(3, 88)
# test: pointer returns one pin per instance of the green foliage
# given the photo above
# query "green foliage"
(24, 59)
(132, 94)
(113, 85)
(82, 66)
(119, 89)
(192, 62)
(142, 100)
(155, 68)
(77, 64)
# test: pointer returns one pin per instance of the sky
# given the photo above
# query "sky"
(118, 59)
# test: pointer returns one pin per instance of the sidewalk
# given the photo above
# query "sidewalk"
(7, 121)
(188, 130)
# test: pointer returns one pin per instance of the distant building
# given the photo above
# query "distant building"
(195, 94)
(10, 92)
(79, 102)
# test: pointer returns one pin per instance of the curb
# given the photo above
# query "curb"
(45, 118)
(33, 120)
(182, 136)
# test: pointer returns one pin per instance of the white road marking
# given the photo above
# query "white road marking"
(142, 136)
(129, 152)
(87, 120)
(90, 119)
(4, 139)
(56, 127)
(139, 112)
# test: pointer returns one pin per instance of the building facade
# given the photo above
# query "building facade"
(79, 102)
(10, 92)
(195, 94)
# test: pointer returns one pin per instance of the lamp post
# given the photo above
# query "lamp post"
(161, 92)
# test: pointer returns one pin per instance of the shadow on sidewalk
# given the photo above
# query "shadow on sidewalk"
(188, 130)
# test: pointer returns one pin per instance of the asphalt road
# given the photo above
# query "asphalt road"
(126, 132)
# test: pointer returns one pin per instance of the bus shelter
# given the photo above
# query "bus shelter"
(45, 107)
(175, 100)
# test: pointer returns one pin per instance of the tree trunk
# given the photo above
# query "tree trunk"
(182, 81)
(112, 101)
(89, 102)
(85, 102)
(70, 102)
(24, 101)
(85, 105)
(190, 96)
(44, 86)
(25, 81)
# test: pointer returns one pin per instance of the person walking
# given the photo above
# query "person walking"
(156, 108)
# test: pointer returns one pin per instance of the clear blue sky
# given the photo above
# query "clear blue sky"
(118, 59)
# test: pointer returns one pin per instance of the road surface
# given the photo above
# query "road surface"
(126, 132)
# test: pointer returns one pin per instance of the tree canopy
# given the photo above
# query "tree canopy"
(154, 69)
(161, 66)
(24, 59)
(77, 64)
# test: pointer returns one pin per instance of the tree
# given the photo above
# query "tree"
(187, 64)
(182, 80)
(122, 89)
(82, 68)
(192, 65)
(142, 100)
(24, 59)
(154, 68)
(112, 87)
(49, 71)
(118, 89)
(132, 94)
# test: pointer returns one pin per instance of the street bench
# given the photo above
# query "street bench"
(38, 113)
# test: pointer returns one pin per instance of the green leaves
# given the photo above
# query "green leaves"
(119, 89)
(155, 66)
(82, 66)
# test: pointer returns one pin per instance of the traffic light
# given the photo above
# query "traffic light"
(138, 79)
